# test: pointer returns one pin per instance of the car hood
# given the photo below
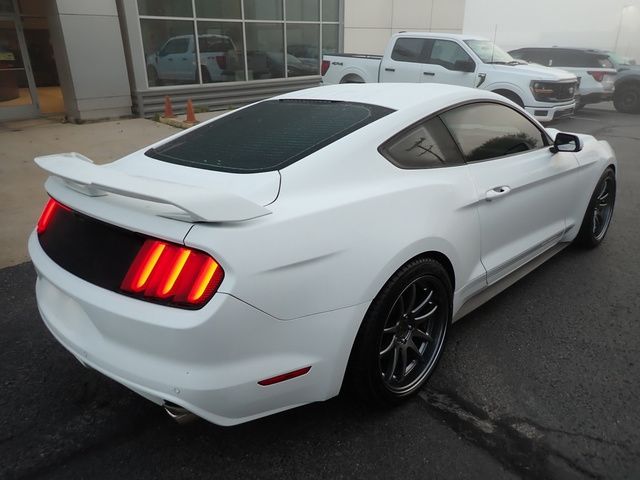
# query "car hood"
(535, 72)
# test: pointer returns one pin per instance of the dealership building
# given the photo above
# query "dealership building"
(94, 59)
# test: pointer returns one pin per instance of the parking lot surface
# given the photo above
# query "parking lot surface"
(541, 382)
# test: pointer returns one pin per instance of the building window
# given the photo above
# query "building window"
(238, 40)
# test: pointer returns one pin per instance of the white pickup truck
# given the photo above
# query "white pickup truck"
(465, 60)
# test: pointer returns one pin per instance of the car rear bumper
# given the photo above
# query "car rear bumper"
(547, 114)
(208, 361)
(594, 98)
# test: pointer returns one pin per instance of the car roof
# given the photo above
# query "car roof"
(452, 36)
(556, 47)
(398, 96)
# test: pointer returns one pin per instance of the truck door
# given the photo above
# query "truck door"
(170, 64)
(447, 62)
(405, 61)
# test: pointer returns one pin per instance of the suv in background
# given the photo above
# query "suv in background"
(595, 71)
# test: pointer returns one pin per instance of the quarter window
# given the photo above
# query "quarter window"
(408, 50)
(488, 130)
(427, 145)
(446, 53)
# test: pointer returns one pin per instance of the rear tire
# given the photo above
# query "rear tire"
(206, 76)
(152, 77)
(401, 337)
(597, 218)
(626, 98)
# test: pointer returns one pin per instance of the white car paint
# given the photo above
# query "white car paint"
(516, 79)
(298, 281)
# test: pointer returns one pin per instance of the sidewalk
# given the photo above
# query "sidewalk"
(22, 194)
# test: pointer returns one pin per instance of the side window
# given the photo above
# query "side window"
(179, 45)
(567, 58)
(598, 61)
(490, 130)
(446, 53)
(409, 50)
(539, 56)
(427, 145)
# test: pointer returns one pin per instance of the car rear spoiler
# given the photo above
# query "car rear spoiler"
(201, 205)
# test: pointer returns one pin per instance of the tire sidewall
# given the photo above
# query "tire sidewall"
(585, 236)
(620, 95)
(368, 339)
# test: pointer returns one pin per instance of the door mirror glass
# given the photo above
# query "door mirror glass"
(566, 142)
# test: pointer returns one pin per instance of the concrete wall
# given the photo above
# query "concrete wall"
(90, 57)
(368, 24)
(569, 23)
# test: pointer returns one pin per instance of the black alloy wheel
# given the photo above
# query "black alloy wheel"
(401, 338)
(599, 212)
(412, 337)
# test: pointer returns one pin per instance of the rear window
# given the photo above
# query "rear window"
(267, 136)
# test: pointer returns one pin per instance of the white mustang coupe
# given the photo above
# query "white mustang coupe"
(322, 238)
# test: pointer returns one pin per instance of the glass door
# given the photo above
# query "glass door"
(18, 98)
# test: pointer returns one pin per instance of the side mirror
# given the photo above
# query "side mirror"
(566, 142)
(464, 66)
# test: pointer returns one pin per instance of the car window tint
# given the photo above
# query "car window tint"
(179, 45)
(561, 57)
(490, 130)
(539, 56)
(447, 53)
(267, 136)
(427, 145)
(600, 61)
(409, 49)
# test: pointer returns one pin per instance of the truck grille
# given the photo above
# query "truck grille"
(554, 91)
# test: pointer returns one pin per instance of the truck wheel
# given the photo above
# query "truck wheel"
(206, 76)
(626, 98)
(511, 96)
(352, 79)
(152, 77)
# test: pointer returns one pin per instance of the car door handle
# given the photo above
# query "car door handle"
(389, 69)
(431, 74)
(170, 59)
(497, 192)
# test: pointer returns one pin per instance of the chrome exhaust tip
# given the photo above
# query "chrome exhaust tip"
(180, 414)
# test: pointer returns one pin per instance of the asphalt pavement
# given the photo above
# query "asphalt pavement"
(541, 382)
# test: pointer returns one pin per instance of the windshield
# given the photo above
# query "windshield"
(489, 52)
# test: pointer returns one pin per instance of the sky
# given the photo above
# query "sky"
(570, 23)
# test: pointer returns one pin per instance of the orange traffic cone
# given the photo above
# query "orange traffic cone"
(191, 116)
(168, 109)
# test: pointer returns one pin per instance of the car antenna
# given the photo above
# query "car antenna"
(493, 47)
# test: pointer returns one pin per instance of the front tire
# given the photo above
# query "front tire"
(597, 218)
(401, 337)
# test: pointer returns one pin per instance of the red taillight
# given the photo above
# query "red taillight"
(222, 62)
(597, 76)
(173, 274)
(325, 66)
(48, 213)
(284, 376)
